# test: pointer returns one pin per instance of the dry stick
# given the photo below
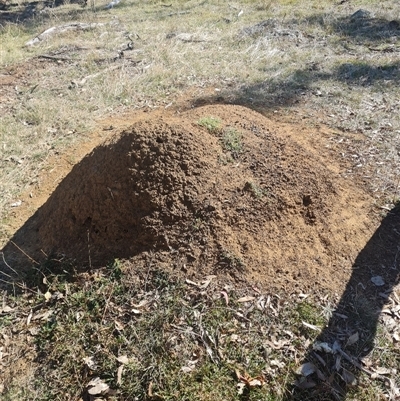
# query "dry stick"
(4, 260)
(56, 58)
(358, 365)
(31, 259)
(14, 283)
(177, 13)
(88, 245)
(108, 302)
(83, 80)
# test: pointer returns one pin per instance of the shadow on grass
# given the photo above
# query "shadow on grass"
(31, 13)
(360, 26)
(351, 331)
(274, 93)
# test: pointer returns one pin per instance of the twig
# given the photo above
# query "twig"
(61, 29)
(88, 245)
(177, 13)
(56, 58)
(359, 366)
(108, 302)
(31, 259)
(83, 80)
(4, 260)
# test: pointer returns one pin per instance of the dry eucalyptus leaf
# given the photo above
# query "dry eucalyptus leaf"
(353, 339)
(383, 371)
(97, 386)
(323, 347)
(225, 295)
(305, 383)
(378, 281)
(119, 374)
(256, 382)
(306, 369)
(320, 375)
(90, 363)
(246, 299)
(123, 359)
(276, 363)
(348, 377)
(311, 326)
(28, 320)
(191, 283)
(118, 325)
(141, 304)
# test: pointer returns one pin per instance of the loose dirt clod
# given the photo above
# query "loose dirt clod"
(274, 213)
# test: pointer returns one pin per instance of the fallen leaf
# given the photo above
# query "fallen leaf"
(378, 281)
(311, 326)
(47, 296)
(97, 386)
(123, 359)
(141, 304)
(353, 339)
(119, 374)
(383, 371)
(325, 347)
(348, 377)
(205, 283)
(225, 295)
(118, 325)
(29, 318)
(255, 382)
(187, 369)
(246, 299)
(305, 383)
(320, 375)
(90, 363)
(191, 283)
(275, 362)
(306, 369)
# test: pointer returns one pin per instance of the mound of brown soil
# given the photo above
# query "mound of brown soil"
(273, 212)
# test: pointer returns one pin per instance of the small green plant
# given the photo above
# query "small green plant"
(231, 261)
(225, 159)
(232, 140)
(212, 124)
(254, 189)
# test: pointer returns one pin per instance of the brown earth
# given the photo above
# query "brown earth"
(280, 213)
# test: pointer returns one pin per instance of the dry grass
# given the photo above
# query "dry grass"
(178, 340)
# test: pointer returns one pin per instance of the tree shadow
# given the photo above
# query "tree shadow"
(335, 358)
(273, 93)
(360, 26)
(32, 13)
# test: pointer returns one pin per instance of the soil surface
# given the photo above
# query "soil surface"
(280, 212)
